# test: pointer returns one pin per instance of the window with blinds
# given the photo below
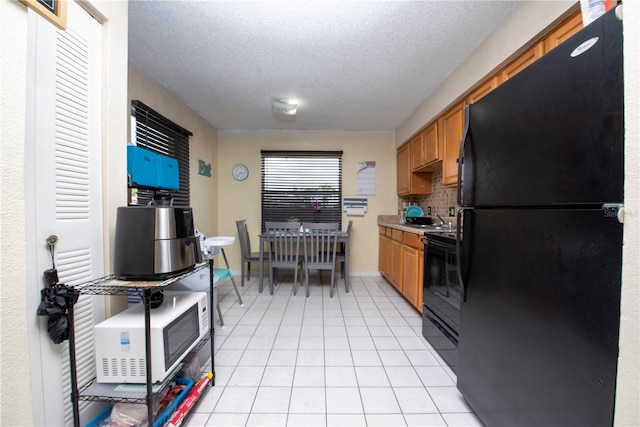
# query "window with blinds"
(153, 131)
(306, 185)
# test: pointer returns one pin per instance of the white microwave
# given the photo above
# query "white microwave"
(177, 326)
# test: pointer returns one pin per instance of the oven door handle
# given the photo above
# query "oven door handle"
(437, 245)
(459, 228)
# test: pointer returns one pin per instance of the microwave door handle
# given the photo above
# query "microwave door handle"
(459, 252)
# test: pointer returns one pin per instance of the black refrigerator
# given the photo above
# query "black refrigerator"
(540, 265)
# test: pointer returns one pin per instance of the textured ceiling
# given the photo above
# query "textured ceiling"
(350, 65)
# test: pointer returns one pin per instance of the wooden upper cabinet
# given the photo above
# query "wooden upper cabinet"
(403, 169)
(453, 126)
(523, 61)
(432, 142)
(409, 182)
(563, 32)
(483, 89)
(417, 151)
(426, 149)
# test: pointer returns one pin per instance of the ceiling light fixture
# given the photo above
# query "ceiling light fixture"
(284, 107)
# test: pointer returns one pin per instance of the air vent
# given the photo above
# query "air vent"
(142, 368)
(114, 367)
(105, 367)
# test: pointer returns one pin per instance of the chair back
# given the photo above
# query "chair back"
(283, 241)
(320, 244)
(243, 237)
(349, 227)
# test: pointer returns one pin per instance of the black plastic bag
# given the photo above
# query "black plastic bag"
(53, 303)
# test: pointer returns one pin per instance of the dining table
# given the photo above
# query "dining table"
(343, 238)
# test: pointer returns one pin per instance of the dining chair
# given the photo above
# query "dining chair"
(283, 241)
(320, 247)
(340, 254)
(245, 250)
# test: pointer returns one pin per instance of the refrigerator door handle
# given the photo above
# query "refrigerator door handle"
(465, 135)
(459, 251)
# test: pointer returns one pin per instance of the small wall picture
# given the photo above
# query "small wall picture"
(55, 11)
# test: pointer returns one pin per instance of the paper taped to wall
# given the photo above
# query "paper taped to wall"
(356, 211)
(366, 177)
(354, 205)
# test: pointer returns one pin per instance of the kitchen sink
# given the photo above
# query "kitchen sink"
(432, 227)
(423, 226)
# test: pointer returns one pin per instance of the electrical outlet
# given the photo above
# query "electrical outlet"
(452, 211)
(429, 210)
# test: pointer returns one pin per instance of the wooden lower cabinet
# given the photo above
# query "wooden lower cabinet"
(410, 274)
(384, 253)
(420, 277)
(400, 262)
(396, 259)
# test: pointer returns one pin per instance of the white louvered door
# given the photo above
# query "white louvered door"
(68, 189)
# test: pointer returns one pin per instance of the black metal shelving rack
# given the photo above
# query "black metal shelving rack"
(110, 285)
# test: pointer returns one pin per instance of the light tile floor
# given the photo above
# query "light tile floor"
(358, 359)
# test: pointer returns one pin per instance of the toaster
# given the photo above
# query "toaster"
(154, 242)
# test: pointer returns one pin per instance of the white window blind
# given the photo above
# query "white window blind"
(155, 132)
(306, 185)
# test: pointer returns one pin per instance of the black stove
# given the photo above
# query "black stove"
(442, 295)
(439, 236)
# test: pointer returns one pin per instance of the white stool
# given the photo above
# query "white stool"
(215, 245)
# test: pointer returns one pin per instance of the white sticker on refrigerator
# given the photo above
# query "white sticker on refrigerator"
(585, 46)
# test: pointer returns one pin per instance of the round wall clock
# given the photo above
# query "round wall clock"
(240, 172)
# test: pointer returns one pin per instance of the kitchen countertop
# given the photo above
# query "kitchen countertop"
(410, 229)
(403, 227)
(392, 222)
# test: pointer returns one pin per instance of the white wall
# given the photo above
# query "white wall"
(241, 200)
(628, 385)
(16, 400)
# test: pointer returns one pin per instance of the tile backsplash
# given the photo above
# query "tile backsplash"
(439, 200)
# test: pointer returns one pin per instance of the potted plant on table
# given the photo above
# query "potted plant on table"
(316, 206)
